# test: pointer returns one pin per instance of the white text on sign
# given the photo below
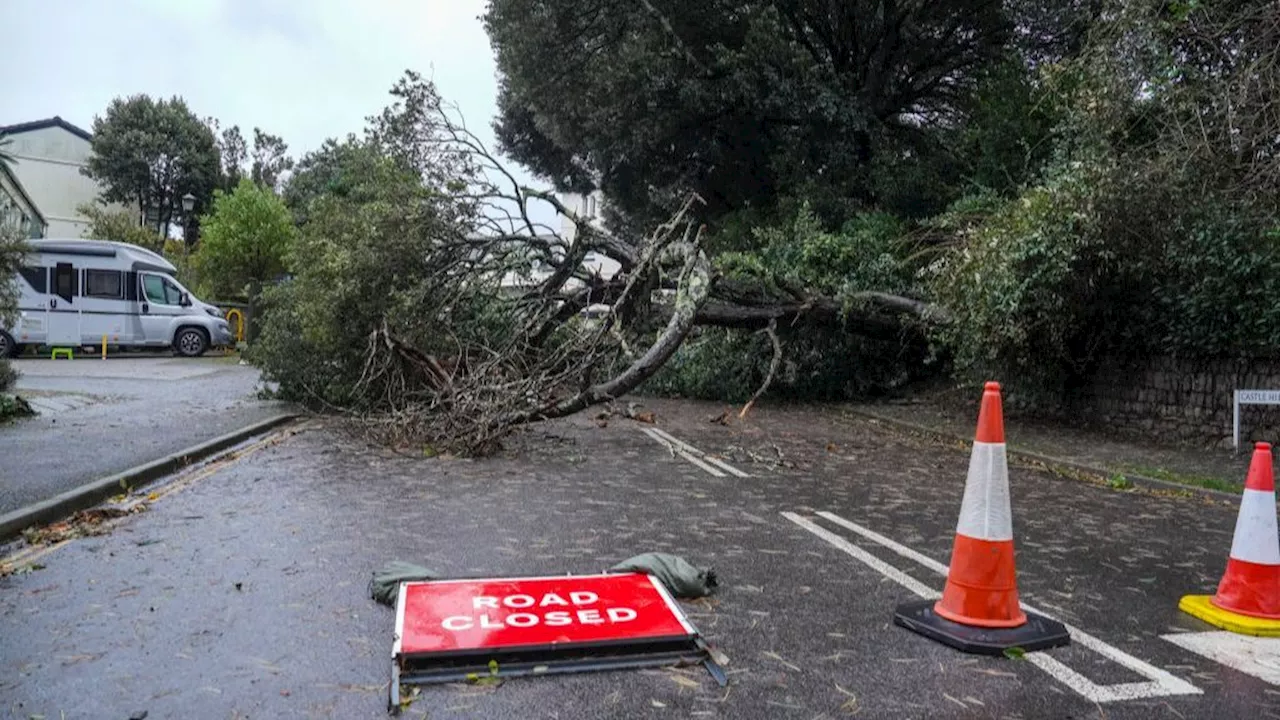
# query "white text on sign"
(538, 616)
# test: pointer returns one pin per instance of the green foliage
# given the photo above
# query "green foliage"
(745, 102)
(150, 153)
(118, 227)
(352, 169)
(873, 251)
(870, 252)
(13, 249)
(244, 240)
(1138, 239)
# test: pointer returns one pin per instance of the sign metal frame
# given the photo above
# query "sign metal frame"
(1249, 397)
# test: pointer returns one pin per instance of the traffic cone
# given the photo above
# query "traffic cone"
(1248, 597)
(979, 611)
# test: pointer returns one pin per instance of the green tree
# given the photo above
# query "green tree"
(5, 156)
(245, 241)
(353, 169)
(741, 101)
(270, 159)
(150, 153)
(13, 248)
(119, 227)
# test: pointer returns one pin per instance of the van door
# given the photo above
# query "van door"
(63, 319)
(159, 302)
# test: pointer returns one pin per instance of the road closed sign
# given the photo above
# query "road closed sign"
(452, 617)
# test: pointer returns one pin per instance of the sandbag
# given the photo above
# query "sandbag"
(385, 585)
(681, 579)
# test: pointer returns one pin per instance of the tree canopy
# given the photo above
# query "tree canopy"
(150, 153)
(740, 101)
(245, 240)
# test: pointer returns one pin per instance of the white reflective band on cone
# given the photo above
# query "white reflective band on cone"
(985, 513)
(1256, 540)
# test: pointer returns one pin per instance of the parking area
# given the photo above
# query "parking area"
(98, 417)
(243, 592)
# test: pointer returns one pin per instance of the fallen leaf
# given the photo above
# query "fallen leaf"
(1014, 653)
(646, 417)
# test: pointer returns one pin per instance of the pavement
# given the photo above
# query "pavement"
(98, 417)
(1216, 468)
(241, 592)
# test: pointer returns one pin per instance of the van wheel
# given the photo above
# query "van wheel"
(8, 348)
(191, 342)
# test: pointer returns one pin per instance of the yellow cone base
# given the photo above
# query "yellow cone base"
(1199, 606)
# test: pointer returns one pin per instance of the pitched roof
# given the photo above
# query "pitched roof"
(54, 121)
(4, 168)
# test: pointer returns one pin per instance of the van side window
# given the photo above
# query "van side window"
(103, 284)
(172, 294)
(64, 281)
(36, 277)
(153, 287)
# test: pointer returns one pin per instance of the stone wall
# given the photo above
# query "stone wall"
(1181, 401)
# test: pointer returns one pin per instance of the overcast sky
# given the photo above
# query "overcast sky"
(303, 69)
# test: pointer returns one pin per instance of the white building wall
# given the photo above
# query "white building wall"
(48, 163)
(589, 207)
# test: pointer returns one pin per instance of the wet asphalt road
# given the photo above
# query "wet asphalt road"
(138, 409)
(244, 594)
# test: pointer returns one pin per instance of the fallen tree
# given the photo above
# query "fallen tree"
(444, 313)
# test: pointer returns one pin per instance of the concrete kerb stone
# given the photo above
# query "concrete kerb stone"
(1138, 480)
(90, 494)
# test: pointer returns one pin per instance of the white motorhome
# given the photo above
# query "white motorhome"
(72, 293)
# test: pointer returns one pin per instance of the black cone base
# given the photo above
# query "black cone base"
(1037, 633)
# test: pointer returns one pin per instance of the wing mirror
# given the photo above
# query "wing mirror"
(184, 300)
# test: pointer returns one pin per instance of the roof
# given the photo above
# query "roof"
(107, 248)
(4, 168)
(54, 121)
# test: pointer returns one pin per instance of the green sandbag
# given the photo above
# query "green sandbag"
(385, 585)
(680, 578)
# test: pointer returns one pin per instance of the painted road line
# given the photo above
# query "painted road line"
(1162, 682)
(1256, 656)
(866, 558)
(698, 458)
(710, 470)
(678, 450)
(1167, 684)
(673, 440)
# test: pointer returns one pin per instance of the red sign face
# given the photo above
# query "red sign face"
(460, 615)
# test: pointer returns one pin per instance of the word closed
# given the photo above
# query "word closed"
(458, 615)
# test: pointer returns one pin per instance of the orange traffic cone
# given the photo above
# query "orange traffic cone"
(1248, 597)
(979, 610)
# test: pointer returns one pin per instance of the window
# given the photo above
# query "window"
(103, 284)
(36, 277)
(64, 281)
(161, 291)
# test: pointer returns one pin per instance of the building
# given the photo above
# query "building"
(48, 156)
(588, 207)
(16, 206)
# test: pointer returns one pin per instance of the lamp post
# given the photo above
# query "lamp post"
(188, 204)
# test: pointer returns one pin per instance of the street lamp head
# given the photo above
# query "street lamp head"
(188, 202)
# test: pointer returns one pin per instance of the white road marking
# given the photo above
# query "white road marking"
(693, 454)
(712, 471)
(866, 558)
(1162, 682)
(1256, 656)
(695, 451)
